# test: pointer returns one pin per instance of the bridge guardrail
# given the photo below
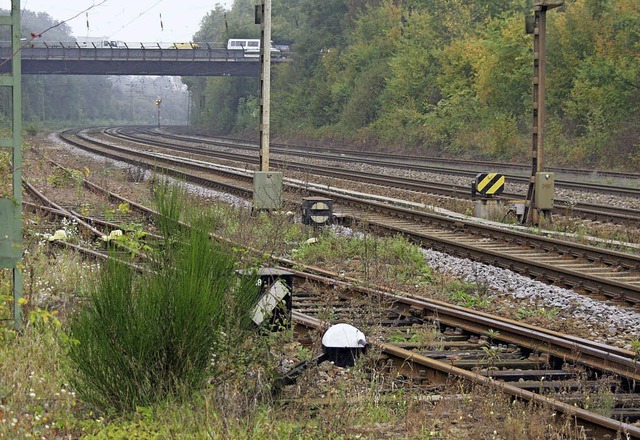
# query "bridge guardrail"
(146, 59)
(137, 54)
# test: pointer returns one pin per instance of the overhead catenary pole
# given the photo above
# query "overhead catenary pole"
(265, 83)
(11, 145)
(158, 102)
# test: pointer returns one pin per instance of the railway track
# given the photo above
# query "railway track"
(530, 363)
(631, 188)
(590, 211)
(460, 347)
(586, 269)
(524, 169)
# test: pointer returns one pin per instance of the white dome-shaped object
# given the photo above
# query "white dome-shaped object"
(342, 343)
(343, 336)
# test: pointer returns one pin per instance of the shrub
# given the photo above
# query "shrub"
(32, 129)
(144, 337)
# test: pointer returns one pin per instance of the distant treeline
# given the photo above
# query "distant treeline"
(439, 76)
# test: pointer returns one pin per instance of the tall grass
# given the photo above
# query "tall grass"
(143, 337)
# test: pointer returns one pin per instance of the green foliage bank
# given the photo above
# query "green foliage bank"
(450, 77)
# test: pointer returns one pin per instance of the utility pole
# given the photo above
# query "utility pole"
(540, 193)
(267, 185)
(265, 83)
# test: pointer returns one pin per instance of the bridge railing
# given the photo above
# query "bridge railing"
(128, 51)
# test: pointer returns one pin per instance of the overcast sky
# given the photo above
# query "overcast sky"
(128, 20)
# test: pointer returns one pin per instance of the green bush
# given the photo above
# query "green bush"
(143, 337)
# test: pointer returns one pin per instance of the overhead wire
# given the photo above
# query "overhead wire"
(227, 28)
(35, 35)
(60, 23)
(312, 3)
(141, 14)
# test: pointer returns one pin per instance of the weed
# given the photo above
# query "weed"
(635, 347)
(32, 129)
(603, 400)
(387, 258)
(133, 239)
(468, 295)
(491, 355)
(124, 208)
(468, 300)
(109, 214)
(541, 312)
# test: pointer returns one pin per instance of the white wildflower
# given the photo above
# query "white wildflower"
(60, 234)
(112, 235)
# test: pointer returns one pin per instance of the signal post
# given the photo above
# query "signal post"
(541, 186)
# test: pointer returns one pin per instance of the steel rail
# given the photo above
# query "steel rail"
(33, 191)
(443, 311)
(384, 161)
(154, 161)
(452, 315)
(364, 211)
(593, 419)
(582, 351)
(406, 157)
(594, 354)
(584, 210)
(533, 266)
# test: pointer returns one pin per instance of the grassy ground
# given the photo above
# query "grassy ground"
(238, 399)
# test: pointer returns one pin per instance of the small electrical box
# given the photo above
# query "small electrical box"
(267, 190)
(544, 191)
(317, 211)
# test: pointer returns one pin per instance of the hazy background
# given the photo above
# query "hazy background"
(127, 20)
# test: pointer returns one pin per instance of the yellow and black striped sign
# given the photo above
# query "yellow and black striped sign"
(489, 184)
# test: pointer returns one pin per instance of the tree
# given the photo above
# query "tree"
(54, 98)
(593, 73)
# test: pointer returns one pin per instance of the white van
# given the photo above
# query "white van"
(251, 47)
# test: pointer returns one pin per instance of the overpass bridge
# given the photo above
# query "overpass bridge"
(202, 59)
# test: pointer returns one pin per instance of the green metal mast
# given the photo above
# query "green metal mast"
(11, 186)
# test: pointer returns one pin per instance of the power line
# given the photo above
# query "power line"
(40, 34)
(137, 17)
